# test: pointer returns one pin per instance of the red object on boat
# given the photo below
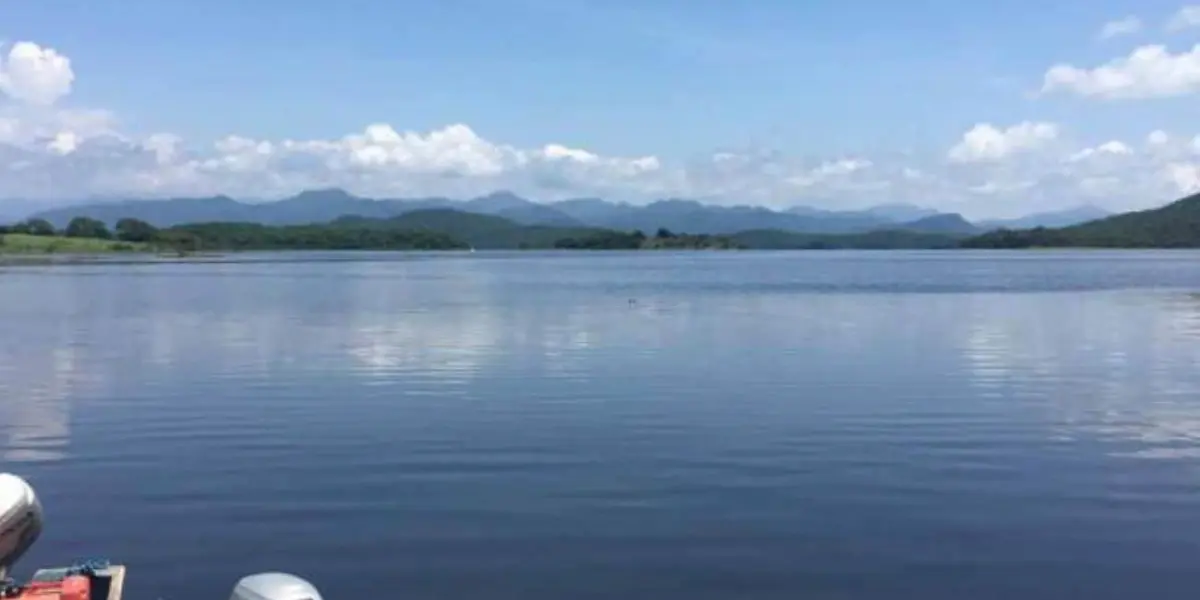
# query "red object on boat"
(69, 584)
(76, 587)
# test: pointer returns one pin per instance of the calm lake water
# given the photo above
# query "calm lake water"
(664, 426)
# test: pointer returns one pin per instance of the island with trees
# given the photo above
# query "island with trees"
(663, 239)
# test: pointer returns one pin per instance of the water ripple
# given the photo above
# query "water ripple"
(767, 426)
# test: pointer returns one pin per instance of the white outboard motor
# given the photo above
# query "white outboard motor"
(274, 586)
(20, 520)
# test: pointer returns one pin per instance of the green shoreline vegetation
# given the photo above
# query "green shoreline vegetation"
(89, 236)
(428, 230)
(82, 237)
(663, 239)
(1176, 225)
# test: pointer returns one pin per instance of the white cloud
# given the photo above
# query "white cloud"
(556, 152)
(993, 170)
(64, 142)
(1184, 176)
(1001, 187)
(986, 142)
(455, 148)
(583, 161)
(999, 171)
(35, 75)
(1109, 148)
(49, 153)
(1148, 72)
(165, 147)
(35, 126)
(828, 170)
(1120, 27)
(1165, 147)
(1184, 18)
(1099, 187)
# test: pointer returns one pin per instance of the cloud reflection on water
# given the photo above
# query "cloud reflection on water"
(1119, 367)
(1116, 366)
(35, 401)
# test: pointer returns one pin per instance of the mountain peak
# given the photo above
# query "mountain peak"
(1053, 218)
(499, 200)
(901, 211)
(332, 194)
(676, 203)
(950, 223)
(502, 195)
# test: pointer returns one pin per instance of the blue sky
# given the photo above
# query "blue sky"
(793, 84)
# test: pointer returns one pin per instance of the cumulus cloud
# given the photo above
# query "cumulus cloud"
(36, 75)
(1120, 27)
(1184, 18)
(52, 154)
(986, 142)
(1185, 176)
(1109, 148)
(829, 170)
(993, 170)
(1148, 72)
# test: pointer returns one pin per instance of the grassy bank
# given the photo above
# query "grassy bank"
(20, 243)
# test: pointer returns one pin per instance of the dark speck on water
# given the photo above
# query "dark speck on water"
(492, 425)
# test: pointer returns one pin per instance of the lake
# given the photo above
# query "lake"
(686, 426)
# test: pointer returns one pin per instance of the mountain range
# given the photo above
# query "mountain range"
(1175, 225)
(680, 215)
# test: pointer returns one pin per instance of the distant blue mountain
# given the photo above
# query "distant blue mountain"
(313, 206)
(16, 209)
(675, 214)
(1058, 218)
(900, 213)
(515, 208)
(694, 217)
(947, 223)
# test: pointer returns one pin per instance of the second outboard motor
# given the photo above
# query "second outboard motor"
(274, 586)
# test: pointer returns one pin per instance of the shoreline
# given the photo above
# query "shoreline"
(147, 258)
(109, 258)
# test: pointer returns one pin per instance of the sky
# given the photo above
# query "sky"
(989, 108)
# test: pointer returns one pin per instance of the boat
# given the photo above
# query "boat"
(21, 521)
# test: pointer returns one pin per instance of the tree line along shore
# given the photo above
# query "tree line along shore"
(1176, 225)
(84, 235)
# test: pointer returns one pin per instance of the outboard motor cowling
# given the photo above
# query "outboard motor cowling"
(20, 520)
(274, 586)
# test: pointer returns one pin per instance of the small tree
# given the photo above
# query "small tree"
(85, 227)
(135, 230)
(39, 227)
(664, 233)
(182, 242)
